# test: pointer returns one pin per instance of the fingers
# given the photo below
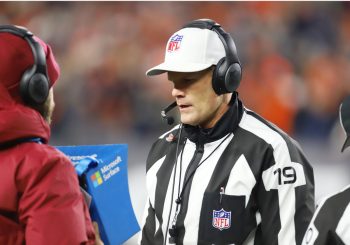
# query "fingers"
(94, 223)
(98, 240)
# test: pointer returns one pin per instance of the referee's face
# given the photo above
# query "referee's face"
(197, 102)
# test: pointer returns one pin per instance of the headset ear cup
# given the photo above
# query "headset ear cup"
(34, 89)
(218, 78)
(233, 77)
(226, 79)
(24, 84)
(38, 88)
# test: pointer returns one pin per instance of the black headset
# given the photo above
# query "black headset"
(228, 72)
(34, 84)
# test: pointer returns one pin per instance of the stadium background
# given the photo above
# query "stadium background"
(296, 70)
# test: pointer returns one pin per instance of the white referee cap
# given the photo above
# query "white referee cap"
(190, 50)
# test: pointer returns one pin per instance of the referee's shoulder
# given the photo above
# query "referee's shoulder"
(265, 130)
(335, 201)
(171, 131)
(161, 146)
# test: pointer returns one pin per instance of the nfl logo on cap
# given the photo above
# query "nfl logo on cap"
(174, 43)
(221, 219)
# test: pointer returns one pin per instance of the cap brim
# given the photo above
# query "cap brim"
(183, 67)
(346, 143)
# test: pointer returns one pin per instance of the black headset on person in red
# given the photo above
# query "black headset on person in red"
(34, 84)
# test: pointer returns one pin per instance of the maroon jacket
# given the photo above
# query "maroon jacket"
(40, 199)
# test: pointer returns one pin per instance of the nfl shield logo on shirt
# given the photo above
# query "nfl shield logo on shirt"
(174, 43)
(221, 219)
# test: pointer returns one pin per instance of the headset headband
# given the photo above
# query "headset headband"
(228, 72)
(229, 46)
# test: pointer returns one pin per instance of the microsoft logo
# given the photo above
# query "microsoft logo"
(96, 179)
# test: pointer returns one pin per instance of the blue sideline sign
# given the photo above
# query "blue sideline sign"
(103, 168)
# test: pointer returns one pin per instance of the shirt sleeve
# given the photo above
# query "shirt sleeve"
(148, 225)
(285, 196)
(330, 223)
(51, 206)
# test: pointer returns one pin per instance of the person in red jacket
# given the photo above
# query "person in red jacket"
(40, 199)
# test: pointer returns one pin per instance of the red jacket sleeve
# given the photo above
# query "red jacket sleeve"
(51, 206)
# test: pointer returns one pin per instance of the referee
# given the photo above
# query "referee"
(224, 175)
(331, 222)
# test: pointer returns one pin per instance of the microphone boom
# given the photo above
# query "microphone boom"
(170, 120)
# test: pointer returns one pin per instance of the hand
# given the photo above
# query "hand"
(98, 240)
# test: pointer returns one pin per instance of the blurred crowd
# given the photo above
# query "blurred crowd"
(295, 57)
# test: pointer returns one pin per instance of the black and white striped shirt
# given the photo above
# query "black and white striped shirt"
(250, 184)
(331, 222)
